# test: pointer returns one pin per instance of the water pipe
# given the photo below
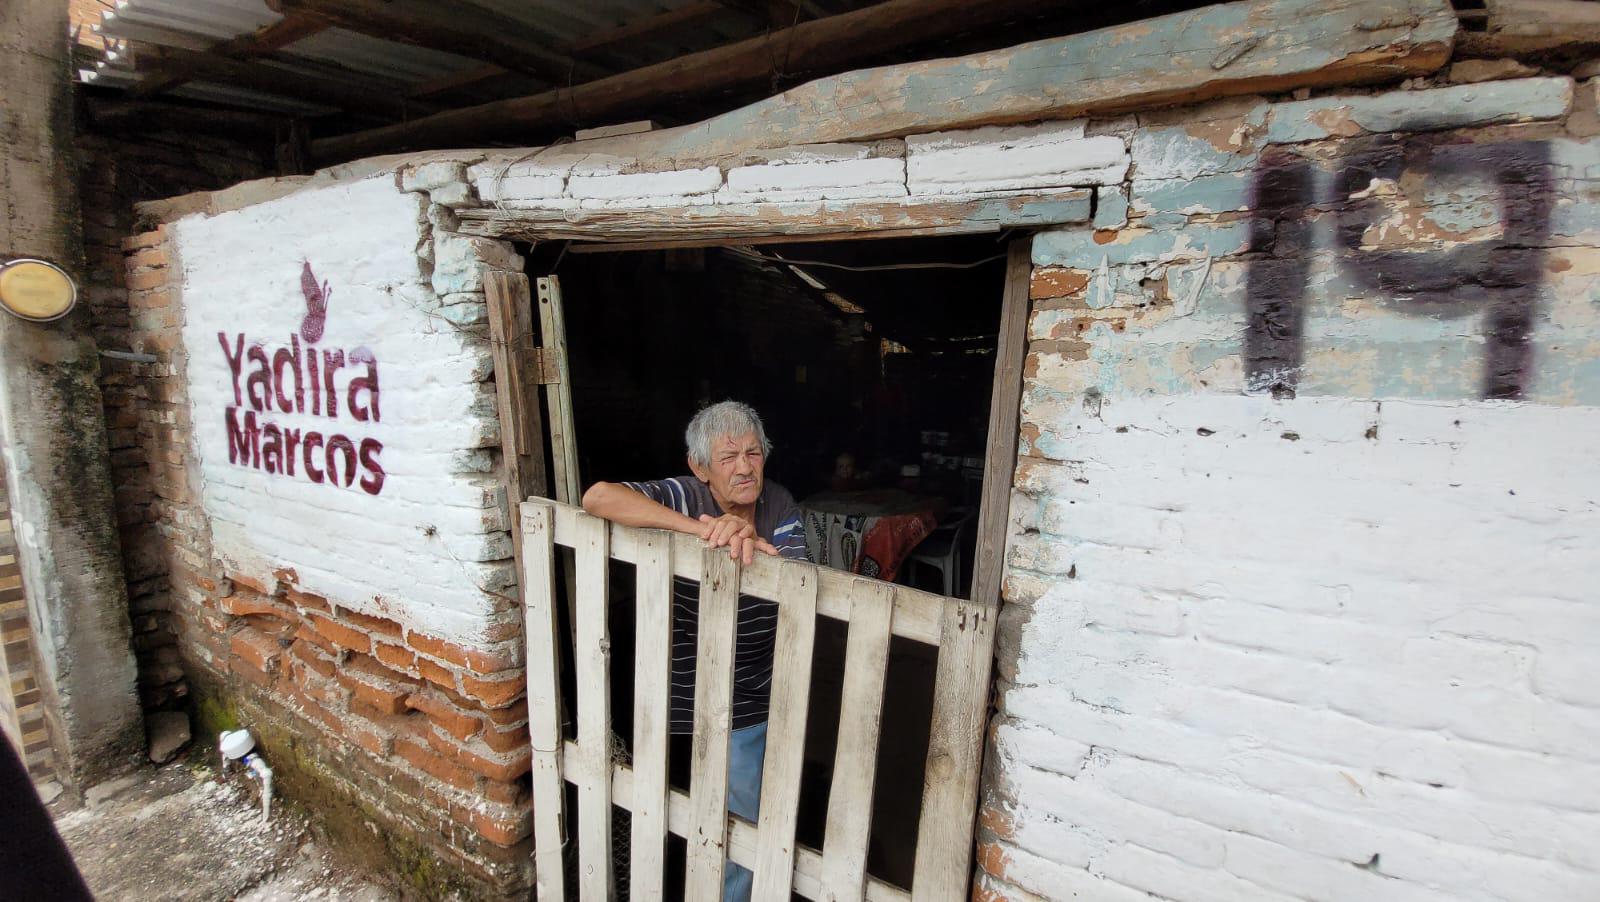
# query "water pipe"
(239, 745)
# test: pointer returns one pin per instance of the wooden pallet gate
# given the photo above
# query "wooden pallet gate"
(962, 631)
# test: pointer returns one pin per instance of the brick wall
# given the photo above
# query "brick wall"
(135, 328)
(357, 627)
(1297, 603)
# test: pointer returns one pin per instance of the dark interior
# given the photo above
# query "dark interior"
(862, 349)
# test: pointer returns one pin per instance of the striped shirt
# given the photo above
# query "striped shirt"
(778, 521)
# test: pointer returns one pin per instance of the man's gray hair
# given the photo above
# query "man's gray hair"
(723, 420)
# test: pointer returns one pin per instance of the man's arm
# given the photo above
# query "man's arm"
(623, 505)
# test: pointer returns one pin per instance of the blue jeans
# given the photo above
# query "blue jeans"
(747, 749)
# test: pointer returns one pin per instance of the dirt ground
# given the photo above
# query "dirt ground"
(176, 833)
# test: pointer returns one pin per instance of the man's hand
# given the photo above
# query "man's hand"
(737, 534)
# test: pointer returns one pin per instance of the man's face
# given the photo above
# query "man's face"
(735, 472)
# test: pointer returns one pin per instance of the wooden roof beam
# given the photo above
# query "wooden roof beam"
(834, 42)
(646, 26)
(260, 42)
(1266, 45)
(169, 62)
(460, 28)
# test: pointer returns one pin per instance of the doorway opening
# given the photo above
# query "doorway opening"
(872, 363)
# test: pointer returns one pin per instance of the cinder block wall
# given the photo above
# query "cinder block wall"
(1299, 598)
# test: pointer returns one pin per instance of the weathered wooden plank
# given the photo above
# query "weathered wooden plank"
(830, 43)
(747, 222)
(713, 720)
(563, 435)
(652, 688)
(955, 753)
(786, 732)
(544, 697)
(742, 841)
(855, 763)
(592, 654)
(1221, 50)
(1527, 26)
(521, 438)
(917, 614)
(1000, 458)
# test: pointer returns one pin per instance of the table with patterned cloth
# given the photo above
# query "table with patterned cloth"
(869, 532)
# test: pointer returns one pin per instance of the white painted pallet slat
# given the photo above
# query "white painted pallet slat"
(652, 688)
(713, 721)
(855, 763)
(592, 767)
(544, 697)
(786, 733)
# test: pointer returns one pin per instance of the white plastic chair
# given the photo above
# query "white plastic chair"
(941, 550)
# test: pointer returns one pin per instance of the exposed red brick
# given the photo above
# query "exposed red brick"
(510, 628)
(482, 760)
(422, 757)
(436, 673)
(512, 715)
(148, 256)
(506, 740)
(246, 604)
(315, 638)
(256, 649)
(317, 710)
(144, 239)
(240, 579)
(308, 601)
(1054, 282)
(494, 693)
(445, 714)
(505, 831)
(394, 656)
(381, 625)
(339, 634)
(313, 657)
(377, 686)
(503, 793)
(992, 859)
(996, 821)
(252, 673)
(477, 660)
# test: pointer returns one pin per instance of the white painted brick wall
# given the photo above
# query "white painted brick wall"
(1246, 664)
(1010, 158)
(424, 549)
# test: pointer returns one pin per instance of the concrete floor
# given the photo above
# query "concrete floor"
(175, 833)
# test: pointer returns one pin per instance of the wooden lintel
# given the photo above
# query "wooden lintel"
(655, 228)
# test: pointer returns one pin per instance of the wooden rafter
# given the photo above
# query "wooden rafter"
(832, 43)
(460, 28)
(169, 62)
(646, 26)
(258, 43)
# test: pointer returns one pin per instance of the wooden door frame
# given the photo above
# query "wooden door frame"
(509, 297)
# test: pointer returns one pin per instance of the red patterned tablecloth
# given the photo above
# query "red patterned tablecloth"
(870, 533)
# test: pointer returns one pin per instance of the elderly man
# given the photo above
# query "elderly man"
(728, 503)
